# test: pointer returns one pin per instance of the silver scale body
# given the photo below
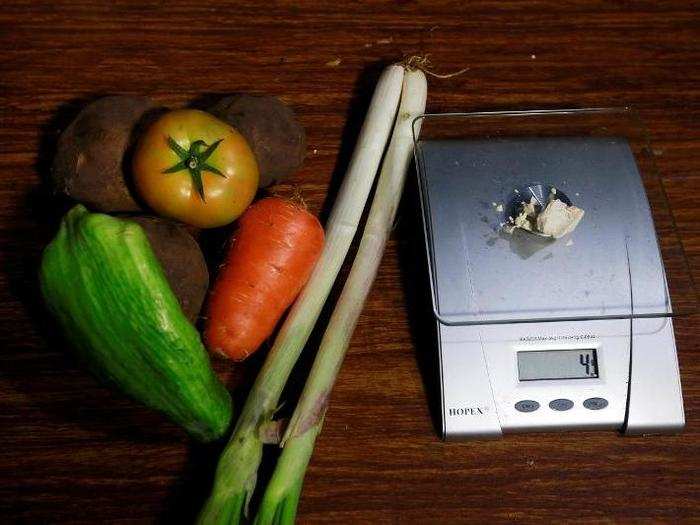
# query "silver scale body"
(605, 282)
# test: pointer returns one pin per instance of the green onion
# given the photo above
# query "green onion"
(281, 496)
(236, 472)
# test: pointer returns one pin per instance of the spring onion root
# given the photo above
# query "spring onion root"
(282, 493)
(236, 472)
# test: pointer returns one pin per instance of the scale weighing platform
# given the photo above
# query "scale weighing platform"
(537, 334)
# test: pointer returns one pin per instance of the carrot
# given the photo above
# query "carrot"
(270, 259)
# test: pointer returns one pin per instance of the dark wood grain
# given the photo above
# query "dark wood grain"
(72, 451)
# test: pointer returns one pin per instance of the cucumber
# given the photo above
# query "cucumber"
(102, 281)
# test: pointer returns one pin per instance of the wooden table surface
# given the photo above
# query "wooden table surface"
(72, 451)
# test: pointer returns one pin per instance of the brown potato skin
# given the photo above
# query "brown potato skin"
(90, 164)
(181, 259)
(272, 130)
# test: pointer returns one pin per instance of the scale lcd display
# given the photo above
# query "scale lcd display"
(557, 364)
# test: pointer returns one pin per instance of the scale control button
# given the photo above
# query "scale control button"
(527, 405)
(560, 405)
(595, 403)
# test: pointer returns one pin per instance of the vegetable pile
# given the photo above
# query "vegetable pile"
(127, 289)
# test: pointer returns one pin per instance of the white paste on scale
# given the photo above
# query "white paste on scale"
(556, 219)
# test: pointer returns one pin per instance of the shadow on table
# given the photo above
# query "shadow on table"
(416, 285)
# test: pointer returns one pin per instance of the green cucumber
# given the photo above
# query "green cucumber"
(102, 281)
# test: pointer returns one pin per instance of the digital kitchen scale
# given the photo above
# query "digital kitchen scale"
(537, 334)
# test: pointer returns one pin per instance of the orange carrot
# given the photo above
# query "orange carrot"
(270, 259)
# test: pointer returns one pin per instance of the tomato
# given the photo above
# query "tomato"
(193, 167)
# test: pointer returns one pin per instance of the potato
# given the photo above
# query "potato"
(181, 259)
(273, 132)
(90, 165)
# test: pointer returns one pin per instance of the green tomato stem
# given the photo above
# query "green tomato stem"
(195, 161)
